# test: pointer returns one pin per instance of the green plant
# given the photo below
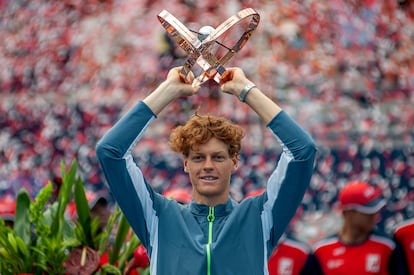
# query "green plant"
(43, 239)
(41, 236)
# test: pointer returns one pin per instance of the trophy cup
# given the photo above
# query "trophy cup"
(210, 48)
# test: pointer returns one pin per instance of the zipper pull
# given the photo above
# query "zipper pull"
(210, 216)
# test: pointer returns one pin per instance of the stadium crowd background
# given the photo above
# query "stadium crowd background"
(343, 69)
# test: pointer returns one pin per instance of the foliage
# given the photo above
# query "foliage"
(43, 237)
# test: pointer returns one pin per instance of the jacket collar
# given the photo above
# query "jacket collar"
(219, 210)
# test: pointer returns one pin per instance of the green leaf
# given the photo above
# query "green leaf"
(21, 246)
(110, 269)
(12, 261)
(22, 218)
(128, 251)
(68, 227)
(84, 213)
(105, 236)
(12, 242)
(37, 209)
(64, 196)
(123, 229)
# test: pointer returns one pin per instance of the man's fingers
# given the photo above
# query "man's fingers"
(226, 76)
(183, 78)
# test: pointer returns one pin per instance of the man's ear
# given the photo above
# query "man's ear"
(235, 163)
(185, 164)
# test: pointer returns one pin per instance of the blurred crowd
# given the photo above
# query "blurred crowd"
(343, 69)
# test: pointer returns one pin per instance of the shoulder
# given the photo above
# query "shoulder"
(327, 242)
(253, 199)
(382, 240)
(406, 227)
(296, 244)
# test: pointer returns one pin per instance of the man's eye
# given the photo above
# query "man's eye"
(197, 158)
(219, 158)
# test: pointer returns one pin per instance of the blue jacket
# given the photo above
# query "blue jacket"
(233, 238)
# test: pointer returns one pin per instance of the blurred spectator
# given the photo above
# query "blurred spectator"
(356, 248)
(404, 235)
(290, 257)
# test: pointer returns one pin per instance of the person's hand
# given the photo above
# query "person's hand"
(177, 82)
(173, 87)
(233, 81)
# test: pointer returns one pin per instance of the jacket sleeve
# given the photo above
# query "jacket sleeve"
(134, 196)
(291, 177)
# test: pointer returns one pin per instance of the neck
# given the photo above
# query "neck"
(351, 235)
(209, 201)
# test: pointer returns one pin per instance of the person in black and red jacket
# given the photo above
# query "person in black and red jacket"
(357, 248)
(290, 257)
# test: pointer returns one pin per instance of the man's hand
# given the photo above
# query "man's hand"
(177, 82)
(169, 90)
(233, 81)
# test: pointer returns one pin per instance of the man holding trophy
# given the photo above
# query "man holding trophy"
(213, 234)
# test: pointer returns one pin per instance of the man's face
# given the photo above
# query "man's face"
(364, 222)
(210, 168)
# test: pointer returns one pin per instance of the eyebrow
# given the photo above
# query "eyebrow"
(212, 153)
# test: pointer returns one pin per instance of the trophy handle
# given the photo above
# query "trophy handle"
(200, 51)
(186, 39)
(216, 69)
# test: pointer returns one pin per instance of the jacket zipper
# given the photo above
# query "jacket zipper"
(210, 219)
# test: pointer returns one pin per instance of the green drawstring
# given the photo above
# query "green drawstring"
(210, 219)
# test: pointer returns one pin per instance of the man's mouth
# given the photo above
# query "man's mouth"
(209, 178)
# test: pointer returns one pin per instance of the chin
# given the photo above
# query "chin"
(209, 192)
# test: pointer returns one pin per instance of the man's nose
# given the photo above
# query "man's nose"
(208, 164)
